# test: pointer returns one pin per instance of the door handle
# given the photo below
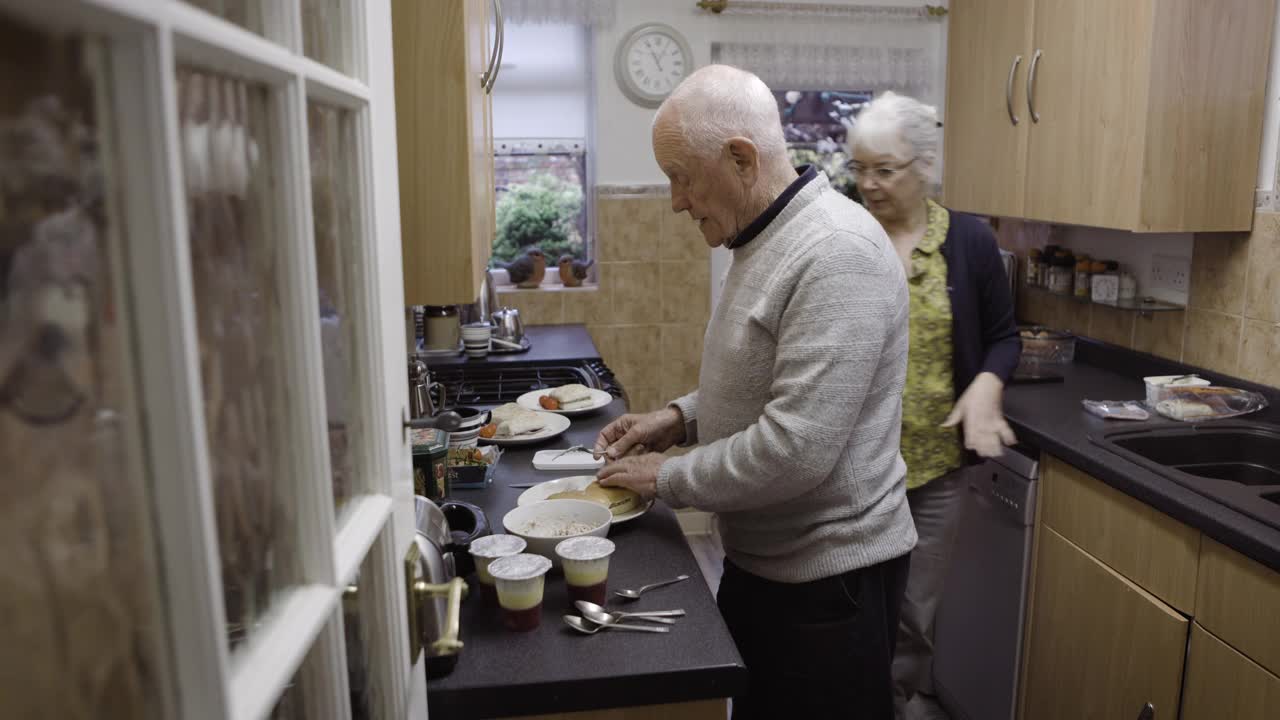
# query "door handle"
(1031, 86)
(499, 45)
(492, 68)
(1008, 89)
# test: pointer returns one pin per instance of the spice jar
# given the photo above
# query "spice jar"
(1128, 286)
(1084, 271)
(1062, 274)
(1034, 265)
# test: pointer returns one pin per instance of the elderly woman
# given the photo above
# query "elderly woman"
(964, 347)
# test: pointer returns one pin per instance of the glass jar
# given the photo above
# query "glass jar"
(1034, 265)
(1084, 271)
(1128, 286)
(1105, 284)
(1062, 275)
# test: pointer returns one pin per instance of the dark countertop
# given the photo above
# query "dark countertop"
(1049, 416)
(554, 669)
(549, 343)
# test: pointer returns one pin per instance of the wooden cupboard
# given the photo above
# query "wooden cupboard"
(1121, 594)
(445, 66)
(1143, 115)
(1102, 646)
(1222, 683)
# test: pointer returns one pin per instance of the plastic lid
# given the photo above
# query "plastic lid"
(497, 546)
(524, 566)
(586, 547)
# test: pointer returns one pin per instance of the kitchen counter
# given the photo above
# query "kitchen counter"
(1049, 417)
(553, 668)
(548, 343)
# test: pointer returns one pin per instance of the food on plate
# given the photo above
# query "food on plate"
(619, 500)
(523, 423)
(506, 412)
(549, 402)
(489, 430)
(573, 396)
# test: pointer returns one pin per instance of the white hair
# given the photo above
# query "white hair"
(893, 120)
(719, 102)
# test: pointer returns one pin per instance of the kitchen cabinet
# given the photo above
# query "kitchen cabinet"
(1143, 115)
(1100, 646)
(1150, 548)
(445, 67)
(1222, 683)
(1237, 600)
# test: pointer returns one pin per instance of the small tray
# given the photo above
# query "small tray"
(496, 349)
(441, 353)
(578, 460)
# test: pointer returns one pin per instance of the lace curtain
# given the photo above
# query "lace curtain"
(832, 67)
(591, 13)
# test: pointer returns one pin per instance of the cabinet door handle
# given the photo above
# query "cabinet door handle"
(1148, 712)
(1008, 89)
(1031, 87)
(499, 44)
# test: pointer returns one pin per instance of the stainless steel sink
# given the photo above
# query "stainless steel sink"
(1235, 463)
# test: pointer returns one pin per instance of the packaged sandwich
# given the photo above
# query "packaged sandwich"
(1211, 402)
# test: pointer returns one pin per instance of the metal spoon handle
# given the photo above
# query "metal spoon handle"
(647, 618)
(653, 613)
(647, 588)
(637, 628)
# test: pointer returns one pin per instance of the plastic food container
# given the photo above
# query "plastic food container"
(520, 580)
(586, 567)
(1159, 387)
(1044, 346)
(485, 550)
(473, 476)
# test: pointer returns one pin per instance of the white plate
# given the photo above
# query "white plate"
(556, 424)
(542, 491)
(529, 401)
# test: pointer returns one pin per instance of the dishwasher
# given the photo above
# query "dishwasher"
(978, 629)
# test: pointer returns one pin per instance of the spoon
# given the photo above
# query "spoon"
(583, 626)
(600, 616)
(634, 594)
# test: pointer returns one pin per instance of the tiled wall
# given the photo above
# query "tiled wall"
(649, 313)
(1232, 322)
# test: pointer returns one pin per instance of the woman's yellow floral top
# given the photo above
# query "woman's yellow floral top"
(929, 450)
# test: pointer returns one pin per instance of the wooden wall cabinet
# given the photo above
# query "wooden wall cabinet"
(445, 65)
(1144, 115)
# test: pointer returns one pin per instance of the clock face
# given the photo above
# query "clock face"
(651, 63)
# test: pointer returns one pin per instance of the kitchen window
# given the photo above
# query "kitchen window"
(816, 124)
(542, 128)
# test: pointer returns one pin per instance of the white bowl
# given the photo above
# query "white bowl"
(594, 515)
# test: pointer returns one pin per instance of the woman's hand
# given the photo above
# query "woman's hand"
(656, 431)
(979, 413)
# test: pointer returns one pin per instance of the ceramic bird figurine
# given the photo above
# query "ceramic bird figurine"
(573, 272)
(526, 271)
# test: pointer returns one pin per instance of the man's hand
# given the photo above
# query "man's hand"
(979, 412)
(638, 473)
(657, 431)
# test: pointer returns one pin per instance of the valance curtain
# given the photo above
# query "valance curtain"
(591, 13)
(833, 67)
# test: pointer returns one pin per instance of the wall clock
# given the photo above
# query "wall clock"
(650, 62)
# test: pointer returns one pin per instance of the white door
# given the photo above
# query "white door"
(201, 362)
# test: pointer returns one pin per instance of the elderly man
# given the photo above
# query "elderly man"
(797, 412)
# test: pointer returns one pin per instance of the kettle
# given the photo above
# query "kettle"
(507, 325)
(422, 400)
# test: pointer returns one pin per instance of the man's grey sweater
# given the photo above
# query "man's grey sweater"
(799, 403)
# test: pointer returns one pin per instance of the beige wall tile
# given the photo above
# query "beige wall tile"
(644, 399)
(1071, 315)
(1213, 341)
(629, 228)
(605, 340)
(681, 356)
(1263, 296)
(1218, 266)
(635, 292)
(1111, 325)
(637, 349)
(681, 238)
(685, 291)
(1260, 353)
(537, 307)
(676, 390)
(1160, 334)
(590, 306)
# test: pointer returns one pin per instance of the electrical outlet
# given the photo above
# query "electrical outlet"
(1170, 272)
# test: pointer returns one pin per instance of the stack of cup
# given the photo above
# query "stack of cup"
(476, 338)
(486, 549)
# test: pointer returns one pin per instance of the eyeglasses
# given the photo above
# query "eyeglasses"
(881, 175)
